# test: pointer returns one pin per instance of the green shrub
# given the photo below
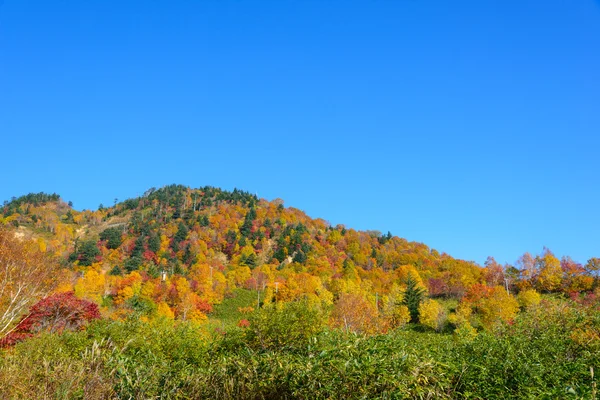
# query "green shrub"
(287, 354)
(286, 326)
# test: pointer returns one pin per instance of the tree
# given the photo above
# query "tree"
(112, 236)
(432, 314)
(592, 266)
(86, 253)
(154, 243)
(91, 285)
(511, 276)
(26, 274)
(56, 313)
(550, 273)
(498, 306)
(528, 298)
(355, 314)
(575, 277)
(527, 266)
(182, 232)
(494, 273)
(398, 316)
(413, 296)
(246, 227)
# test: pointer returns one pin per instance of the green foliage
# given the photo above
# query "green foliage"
(288, 326)
(133, 263)
(112, 237)
(280, 254)
(385, 238)
(116, 270)
(299, 257)
(250, 260)
(86, 253)
(228, 312)
(203, 220)
(537, 357)
(413, 296)
(245, 229)
(138, 249)
(547, 353)
(35, 199)
(182, 232)
(142, 306)
(154, 243)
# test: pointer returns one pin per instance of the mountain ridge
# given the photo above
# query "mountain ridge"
(177, 247)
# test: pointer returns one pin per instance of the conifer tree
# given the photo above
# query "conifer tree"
(413, 296)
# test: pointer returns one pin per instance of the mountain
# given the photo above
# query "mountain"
(154, 250)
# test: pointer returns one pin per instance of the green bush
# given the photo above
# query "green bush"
(288, 326)
(537, 357)
(286, 353)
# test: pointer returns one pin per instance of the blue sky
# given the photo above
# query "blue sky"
(471, 126)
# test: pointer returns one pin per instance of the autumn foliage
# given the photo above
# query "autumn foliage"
(26, 275)
(177, 252)
(56, 313)
(174, 266)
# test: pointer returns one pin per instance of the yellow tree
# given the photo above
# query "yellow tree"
(396, 315)
(432, 314)
(186, 303)
(26, 275)
(549, 276)
(91, 286)
(498, 306)
(163, 310)
(528, 298)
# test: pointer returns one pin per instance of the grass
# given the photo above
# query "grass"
(227, 313)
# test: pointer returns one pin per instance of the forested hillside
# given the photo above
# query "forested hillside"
(223, 262)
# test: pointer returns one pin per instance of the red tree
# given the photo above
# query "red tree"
(56, 313)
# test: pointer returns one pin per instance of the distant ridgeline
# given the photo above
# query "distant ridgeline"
(178, 251)
(31, 199)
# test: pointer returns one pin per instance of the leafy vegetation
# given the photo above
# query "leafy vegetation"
(546, 353)
(206, 293)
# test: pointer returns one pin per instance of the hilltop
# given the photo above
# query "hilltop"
(222, 240)
(180, 251)
(205, 293)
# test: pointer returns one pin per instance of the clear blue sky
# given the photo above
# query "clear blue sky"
(471, 126)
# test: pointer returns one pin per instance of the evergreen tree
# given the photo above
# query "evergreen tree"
(180, 236)
(182, 232)
(138, 249)
(112, 237)
(154, 243)
(133, 263)
(87, 253)
(413, 296)
(116, 270)
(300, 257)
(246, 228)
(280, 254)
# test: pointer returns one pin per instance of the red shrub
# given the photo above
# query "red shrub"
(244, 323)
(204, 306)
(55, 314)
